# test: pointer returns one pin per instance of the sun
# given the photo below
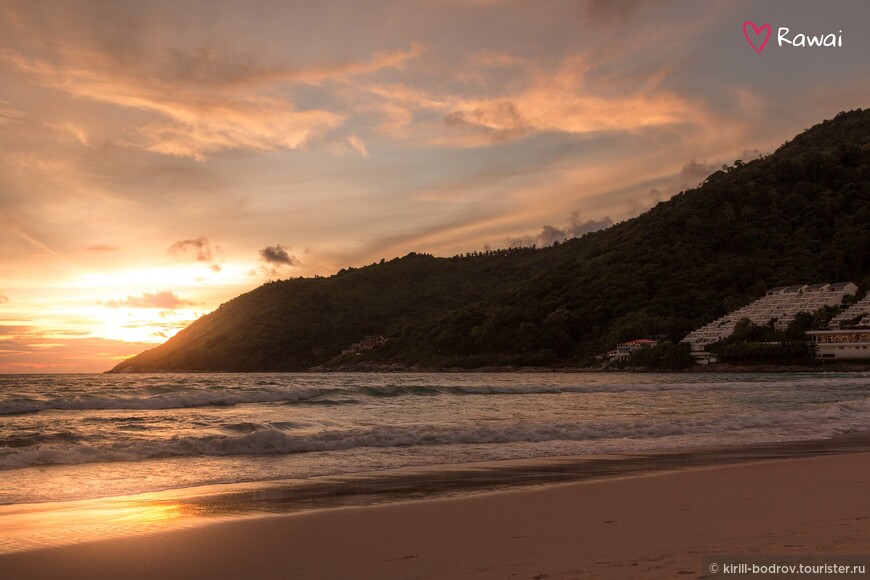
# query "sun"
(145, 305)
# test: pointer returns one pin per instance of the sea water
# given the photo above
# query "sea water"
(73, 437)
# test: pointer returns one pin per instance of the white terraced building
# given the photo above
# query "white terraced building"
(859, 310)
(780, 305)
(846, 343)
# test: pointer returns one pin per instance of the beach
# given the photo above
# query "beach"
(653, 525)
(427, 475)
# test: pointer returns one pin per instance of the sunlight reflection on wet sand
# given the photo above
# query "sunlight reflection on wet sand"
(37, 525)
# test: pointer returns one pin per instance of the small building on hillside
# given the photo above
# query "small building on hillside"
(847, 343)
(624, 350)
(368, 343)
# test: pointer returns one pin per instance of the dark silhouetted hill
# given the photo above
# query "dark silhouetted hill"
(799, 215)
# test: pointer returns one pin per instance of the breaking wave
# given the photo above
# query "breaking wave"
(163, 401)
(222, 396)
(320, 396)
(255, 439)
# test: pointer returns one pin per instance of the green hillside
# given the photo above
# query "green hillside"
(799, 215)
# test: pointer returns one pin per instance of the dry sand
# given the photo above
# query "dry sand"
(649, 526)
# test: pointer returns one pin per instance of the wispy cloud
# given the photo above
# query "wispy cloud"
(165, 300)
(206, 98)
(196, 249)
(68, 129)
(358, 145)
(198, 120)
(9, 114)
(538, 100)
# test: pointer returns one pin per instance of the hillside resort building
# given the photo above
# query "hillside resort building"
(848, 335)
(624, 350)
(842, 344)
(368, 343)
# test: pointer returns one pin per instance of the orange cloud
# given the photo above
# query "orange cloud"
(68, 129)
(9, 114)
(199, 120)
(165, 300)
(211, 101)
(358, 145)
(396, 59)
(27, 236)
(537, 101)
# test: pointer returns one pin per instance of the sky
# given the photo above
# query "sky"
(159, 158)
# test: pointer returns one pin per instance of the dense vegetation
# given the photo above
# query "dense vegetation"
(664, 355)
(751, 342)
(800, 215)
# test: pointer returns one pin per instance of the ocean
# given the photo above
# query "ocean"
(77, 437)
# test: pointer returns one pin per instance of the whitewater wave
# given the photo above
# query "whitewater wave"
(158, 402)
(189, 399)
(357, 394)
(825, 420)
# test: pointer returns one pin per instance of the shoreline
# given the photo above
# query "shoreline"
(725, 368)
(653, 523)
(396, 368)
(70, 523)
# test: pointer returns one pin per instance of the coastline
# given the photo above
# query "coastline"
(650, 522)
(393, 368)
(819, 367)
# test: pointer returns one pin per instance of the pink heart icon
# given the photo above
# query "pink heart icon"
(758, 32)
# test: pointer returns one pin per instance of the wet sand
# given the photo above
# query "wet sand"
(641, 524)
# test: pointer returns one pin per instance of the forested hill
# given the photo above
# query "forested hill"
(799, 215)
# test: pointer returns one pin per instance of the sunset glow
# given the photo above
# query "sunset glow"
(157, 160)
